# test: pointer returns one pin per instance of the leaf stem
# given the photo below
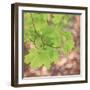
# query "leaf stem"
(34, 25)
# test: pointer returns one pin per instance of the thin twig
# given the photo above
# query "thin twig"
(34, 25)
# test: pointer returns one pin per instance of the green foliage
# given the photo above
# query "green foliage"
(49, 38)
(27, 27)
(38, 57)
(68, 42)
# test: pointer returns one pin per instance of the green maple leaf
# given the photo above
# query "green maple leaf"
(38, 57)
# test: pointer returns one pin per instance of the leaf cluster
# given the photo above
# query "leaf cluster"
(49, 39)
